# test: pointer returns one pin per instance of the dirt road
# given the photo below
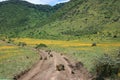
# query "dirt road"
(55, 66)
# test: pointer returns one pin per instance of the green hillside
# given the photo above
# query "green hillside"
(17, 16)
(84, 18)
(91, 19)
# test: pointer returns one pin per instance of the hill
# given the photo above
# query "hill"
(77, 19)
(17, 16)
(84, 19)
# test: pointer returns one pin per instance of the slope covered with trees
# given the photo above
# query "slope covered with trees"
(17, 16)
(85, 18)
(76, 19)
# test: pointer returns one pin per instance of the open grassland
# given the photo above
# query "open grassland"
(79, 50)
(71, 43)
(86, 54)
(14, 59)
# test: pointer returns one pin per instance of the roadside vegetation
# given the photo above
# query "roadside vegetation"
(87, 52)
(15, 59)
(39, 46)
(108, 65)
(75, 49)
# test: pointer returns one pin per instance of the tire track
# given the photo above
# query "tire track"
(46, 68)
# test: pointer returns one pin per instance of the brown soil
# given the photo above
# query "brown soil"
(46, 69)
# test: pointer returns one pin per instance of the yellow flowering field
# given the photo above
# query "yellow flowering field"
(13, 59)
(75, 43)
(8, 51)
(7, 47)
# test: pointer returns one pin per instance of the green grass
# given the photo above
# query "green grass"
(13, 61)
(87, 55)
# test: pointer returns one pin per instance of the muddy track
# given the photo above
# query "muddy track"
(54, 66)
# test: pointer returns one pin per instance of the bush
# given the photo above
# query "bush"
(94, 44)
(10, 41)
(108, 65)
(115, 36)
(41, 46)
(22, 44)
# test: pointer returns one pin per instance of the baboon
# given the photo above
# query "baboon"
(61, 54)
(15, 77)
(49, 51)
(27, 57)
(45, 58)
(51, 55)
(41, 58)
(78, 65)
(60, 67)
(72, 72)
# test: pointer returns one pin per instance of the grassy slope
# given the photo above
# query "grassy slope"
(93, 20)
(84, 19)
(15, 18)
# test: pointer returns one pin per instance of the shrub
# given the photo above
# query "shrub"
(94, 44)
(41, 46)
(22, 44)
(108, 65)
(10, 41)
(115, 36)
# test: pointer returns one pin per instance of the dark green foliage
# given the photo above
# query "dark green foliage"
(3, 37)
(10, 40)
(108, 65)
(115, 36)
(17, 16)
(41, 46)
